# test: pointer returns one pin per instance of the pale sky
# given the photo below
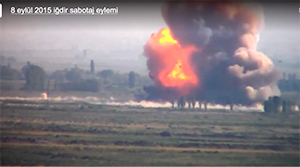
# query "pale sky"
(130, 29)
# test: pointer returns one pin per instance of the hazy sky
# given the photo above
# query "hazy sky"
(130, 29)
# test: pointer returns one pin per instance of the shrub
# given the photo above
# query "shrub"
(165, 134)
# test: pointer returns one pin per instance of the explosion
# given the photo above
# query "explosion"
(209, 52)
(166, 37)
(171, 62)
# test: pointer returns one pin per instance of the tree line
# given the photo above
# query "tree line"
(74, 79)
(289, 82)
(276, 105)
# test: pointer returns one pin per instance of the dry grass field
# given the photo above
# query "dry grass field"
(69, 134)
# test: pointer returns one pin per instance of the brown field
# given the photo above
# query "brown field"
(65, 134)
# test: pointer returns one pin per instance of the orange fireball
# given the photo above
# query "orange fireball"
(166, 37)
(173, 67)
(177, 72)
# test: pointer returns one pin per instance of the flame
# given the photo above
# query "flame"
(166, 37)
(177, 72)
(172, 61)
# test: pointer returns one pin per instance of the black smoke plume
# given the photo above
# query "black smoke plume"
(229, 68)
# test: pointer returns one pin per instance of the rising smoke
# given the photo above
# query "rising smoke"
(216, 43)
